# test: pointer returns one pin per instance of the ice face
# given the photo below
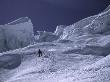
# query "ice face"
(16, 34)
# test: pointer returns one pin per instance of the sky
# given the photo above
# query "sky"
(47, 14)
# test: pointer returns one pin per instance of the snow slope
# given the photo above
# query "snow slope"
(53, 66)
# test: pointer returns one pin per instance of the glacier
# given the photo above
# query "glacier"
(76, 53)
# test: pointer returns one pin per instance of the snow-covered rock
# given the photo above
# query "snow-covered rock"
(16, 34)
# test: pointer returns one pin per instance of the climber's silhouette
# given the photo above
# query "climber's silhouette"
(39, 53)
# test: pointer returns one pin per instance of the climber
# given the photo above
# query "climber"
(39, 53)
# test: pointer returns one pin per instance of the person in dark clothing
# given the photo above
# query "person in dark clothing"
(39, 53)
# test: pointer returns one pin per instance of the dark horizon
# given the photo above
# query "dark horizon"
(47, 14)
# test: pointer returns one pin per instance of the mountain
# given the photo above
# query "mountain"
(76, 53)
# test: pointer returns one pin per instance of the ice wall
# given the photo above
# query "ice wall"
(16, 34)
